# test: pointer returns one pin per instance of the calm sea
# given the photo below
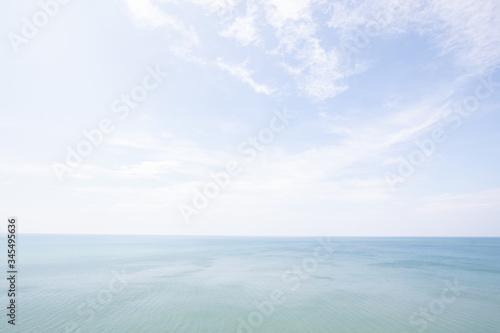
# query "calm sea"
(255, 284)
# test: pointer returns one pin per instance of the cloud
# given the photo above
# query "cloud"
(282, 12)
(320, 75)
(215, 6)
(349, 170)
(318, 70)
(141, 155)
(244, 28)
(466, 30)
(134, 139)
(245, 75)
(146, 14)
(385, 17)
(148, 169)
(480, 200)
(318, 64)
(25, 169)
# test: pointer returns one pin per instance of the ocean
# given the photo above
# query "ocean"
(184, 284)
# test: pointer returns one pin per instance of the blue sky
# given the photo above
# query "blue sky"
(390, 117)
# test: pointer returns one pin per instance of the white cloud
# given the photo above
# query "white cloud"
(149, 169)
(134, 139)
(481, 200)
(244, 28)
(345, 171)
(217, 6)
(387, 16)
(245, 75)
(144, 156)
(149, 15)
(320, 74)
(318, 71)
(467, 30)
(281, 12)
(26, 169)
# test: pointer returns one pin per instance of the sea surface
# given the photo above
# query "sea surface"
(182, 284)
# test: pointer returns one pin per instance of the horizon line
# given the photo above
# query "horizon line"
(248, 236)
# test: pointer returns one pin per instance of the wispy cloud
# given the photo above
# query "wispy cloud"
(465, 30)
(244, 28)
(148, 14)
(480, 200)
(469, 32)
(282, 12)
(317, 70)
(243, 73)
(320, 74)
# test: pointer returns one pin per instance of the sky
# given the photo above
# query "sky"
(269, 117)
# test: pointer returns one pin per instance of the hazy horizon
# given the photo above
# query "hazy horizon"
(256, 236)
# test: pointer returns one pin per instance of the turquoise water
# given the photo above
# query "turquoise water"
(246, 284)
